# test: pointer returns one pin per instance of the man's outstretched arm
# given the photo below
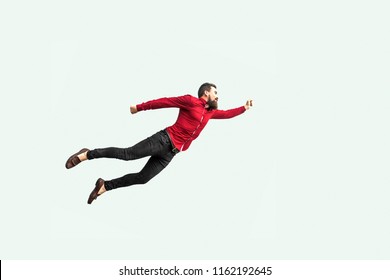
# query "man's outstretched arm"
(184, 101)
(227, 114)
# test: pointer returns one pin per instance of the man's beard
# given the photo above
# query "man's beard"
(212, 104)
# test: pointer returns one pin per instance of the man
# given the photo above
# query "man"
(164, 145)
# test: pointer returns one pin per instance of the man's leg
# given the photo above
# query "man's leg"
(154, 145)
(147, 147)
(154, 166)
(158, 146)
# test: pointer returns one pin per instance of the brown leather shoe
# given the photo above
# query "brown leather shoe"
(94, 194)
(74, 159)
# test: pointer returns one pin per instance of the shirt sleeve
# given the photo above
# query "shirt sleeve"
(184, 101)
(227, 114)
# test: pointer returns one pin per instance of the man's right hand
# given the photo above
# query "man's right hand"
(248, 104)
(133, 109)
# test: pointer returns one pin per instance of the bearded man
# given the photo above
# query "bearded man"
(161, 147)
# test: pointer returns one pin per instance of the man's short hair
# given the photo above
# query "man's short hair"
(204, 87)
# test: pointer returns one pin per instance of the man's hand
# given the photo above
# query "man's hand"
(248, 104)
(133, 109)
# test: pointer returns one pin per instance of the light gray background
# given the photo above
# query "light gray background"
(303, 175)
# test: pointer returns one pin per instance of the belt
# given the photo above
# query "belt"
(174, 149)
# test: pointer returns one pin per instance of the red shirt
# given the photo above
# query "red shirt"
(193, 117)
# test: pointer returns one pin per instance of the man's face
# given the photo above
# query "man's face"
(212, 98)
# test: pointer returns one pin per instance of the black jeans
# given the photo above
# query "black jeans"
(160, 149)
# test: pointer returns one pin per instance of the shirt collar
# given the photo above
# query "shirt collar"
(204, 102)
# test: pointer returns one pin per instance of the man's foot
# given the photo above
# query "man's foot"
(98, 190)
(75, 159)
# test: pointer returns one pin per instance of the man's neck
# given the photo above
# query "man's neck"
(204, 97)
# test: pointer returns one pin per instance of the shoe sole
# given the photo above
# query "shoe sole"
(70, 164)
(94, 194)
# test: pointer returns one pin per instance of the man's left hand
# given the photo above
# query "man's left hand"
(133, 109)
